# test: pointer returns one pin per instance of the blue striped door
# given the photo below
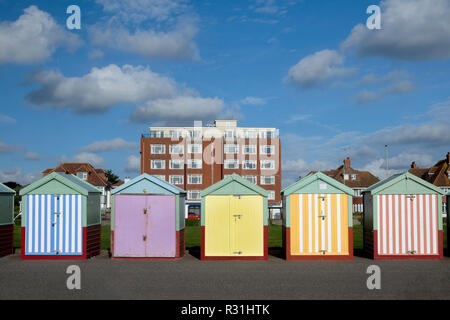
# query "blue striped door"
(54, 225)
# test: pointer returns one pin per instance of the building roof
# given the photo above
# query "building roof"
(152, 180)
(95, 176)
(311, 178)
(396, 178)
(68, 180)
(236, 179)
(438, 174)
(6, 190)
(364, 179)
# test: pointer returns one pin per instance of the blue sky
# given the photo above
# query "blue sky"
(310, 68)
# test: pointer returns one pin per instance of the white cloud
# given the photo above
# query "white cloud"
(96, 54)
(254, 101)
(110, 145)
(411, 30)
(100, 89)
(140, 10)
(397, 164)
(33, 37)
(174, 44)
(31, 156)
(318, 69)
(16, 175)
(133, 164)
(92, 158)
(7, 119)
(6, 148)
(182, 109)
(298, 117)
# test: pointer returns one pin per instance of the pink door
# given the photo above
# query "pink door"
(408, 224)
(144, 226)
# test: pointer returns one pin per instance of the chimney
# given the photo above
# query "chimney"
(448, 157)
(413, 165)
(347, 163)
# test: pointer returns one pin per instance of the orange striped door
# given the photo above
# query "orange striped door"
(319, 224)
(407, 224)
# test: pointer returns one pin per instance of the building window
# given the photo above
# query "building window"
(271, 195)
(249, 164)
(195, 179)
(158, 149)
(358, 192)
(158, 164)
(267, 164)
(252, 179)
(353, 177)
(267, 179)
(250, 134)
(176, 164)
(82, 175)
(162, 177)
(231, 149)
(193, 194)
(156, 134)
(249, 149)
(231, 164)
(176, 149)
(195, 134)
(267, 134)
(194, 148)
(267, 150)
(176, 179)
(230, 134)
(176, 134)
(194, 164)
(346, 176)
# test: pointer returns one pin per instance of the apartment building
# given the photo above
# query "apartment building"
(193, 158)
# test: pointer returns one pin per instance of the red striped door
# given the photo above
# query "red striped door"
(408, 224)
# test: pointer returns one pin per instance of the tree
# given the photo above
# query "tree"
(112, 178)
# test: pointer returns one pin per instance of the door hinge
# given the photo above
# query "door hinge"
(237, 216)
(237, 252)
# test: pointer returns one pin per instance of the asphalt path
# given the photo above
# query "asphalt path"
(190, 278)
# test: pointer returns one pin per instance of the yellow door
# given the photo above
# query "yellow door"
(246, 226)
(319, 224)
(217, 226)
(234, 226)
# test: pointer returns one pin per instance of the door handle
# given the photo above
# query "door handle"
(237, 252)
(237, 215)
(323, 251)
(53, 223)
(144, 238)
(145, 210)
(412, 251)
(323, 217)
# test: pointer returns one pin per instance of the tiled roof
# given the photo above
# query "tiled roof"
(437, 174)
(364, 179)
(95, 176)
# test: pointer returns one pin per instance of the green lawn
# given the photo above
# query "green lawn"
(193, 236)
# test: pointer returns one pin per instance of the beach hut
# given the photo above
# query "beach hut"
(61, 219)
(403, 219)
(6, 220)
(234, 217)
(448, 224)
(317, 219)
(147, 219)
